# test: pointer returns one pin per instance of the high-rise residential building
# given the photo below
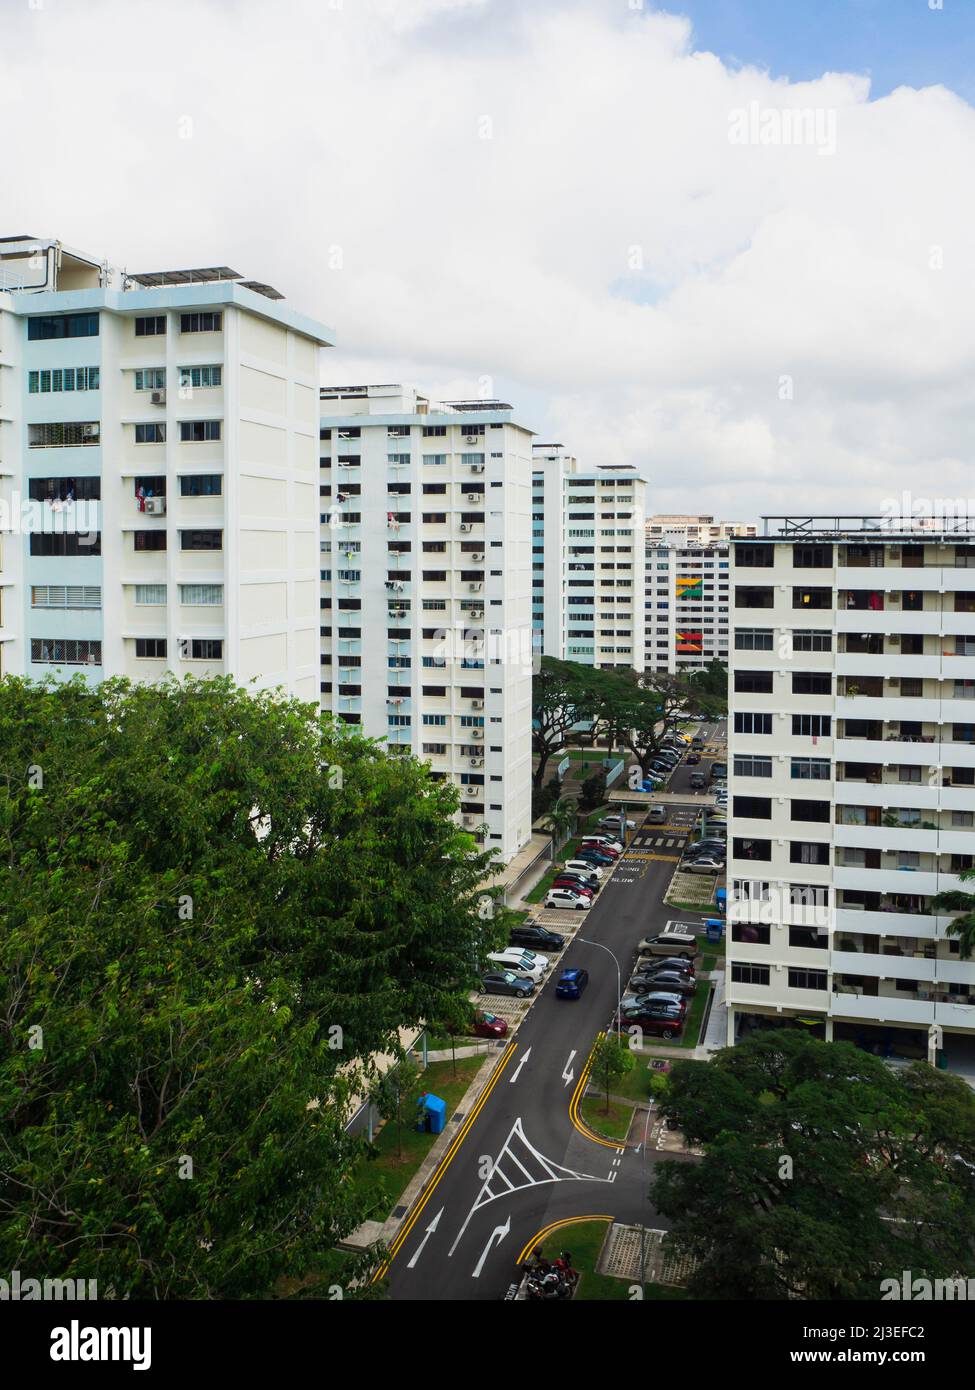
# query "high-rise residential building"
(684, 529)
(686, 604)
(852, 751)
(158, 472)
(425, 593)
(587, 554)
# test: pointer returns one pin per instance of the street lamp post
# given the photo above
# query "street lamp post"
(619, 974)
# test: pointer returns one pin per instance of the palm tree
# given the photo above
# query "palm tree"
(559, 820)
(962, 926)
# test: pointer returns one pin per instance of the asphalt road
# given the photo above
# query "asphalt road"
(523, 1159)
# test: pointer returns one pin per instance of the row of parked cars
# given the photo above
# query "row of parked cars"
(708, 853)
(579, 879)
(659, 771)
(662, 985)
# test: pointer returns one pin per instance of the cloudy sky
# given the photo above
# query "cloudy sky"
(729, 243)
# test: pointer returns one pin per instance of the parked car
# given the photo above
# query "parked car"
(662, 1024)
(596, 858)
(574, 885)
(565, 897)
(700, 847)
(579, 877)
(670, 943)
(594, 871)
(571, 984)
(607, 841)
(693, 758)
(522, 962)
(489, 1025)
(613, 823)
(526, 935)
(698, 781)
(507, 982)
(604, 846)
(670, 981)
(705, 864)
(651, 963)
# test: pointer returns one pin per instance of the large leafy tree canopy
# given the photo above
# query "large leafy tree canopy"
(824, 1171)
(215, 903)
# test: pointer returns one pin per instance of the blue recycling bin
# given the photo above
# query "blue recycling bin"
(714, 929)
(431, 1114)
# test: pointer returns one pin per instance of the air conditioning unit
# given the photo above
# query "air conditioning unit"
(477, 704)
(477, 762)
(471, 438)
(476, 586)
(465, 526)
(155, 506)
(473, 496)
(477, 467)
(478, 556)
(158, 397)
(470, 820)
(477, 734)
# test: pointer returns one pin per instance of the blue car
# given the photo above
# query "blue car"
(571, 984)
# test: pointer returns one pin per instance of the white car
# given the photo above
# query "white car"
(521, 962)
(582, 866)
(606, 840)
(703, 864)
(612, 823)
(561, 897)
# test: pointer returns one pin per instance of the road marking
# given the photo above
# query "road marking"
(517, 1072)
(576, 1101)
(429, 1232)
(498, 1234)
(557, 1226)
(444, 1164)
(567, 1074)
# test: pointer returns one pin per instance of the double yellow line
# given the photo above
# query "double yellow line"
(577, 1095)
(557, 1226)
(444, 1164)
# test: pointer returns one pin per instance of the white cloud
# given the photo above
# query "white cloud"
(607, 255)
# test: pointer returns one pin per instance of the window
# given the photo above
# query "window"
(750, 974)
(196, 431)
(808, 895)
(150, 595)
(812, 557)
(811, 683)
(750, 596)
(813, 725)
(66, 543)
(65, 596)
(810, 810)
(201, 595)
(755, 556)
(753, 723)
(812, 598)
(434, 460)
(149, 540)
(808, 852)
(202, 649)
(64, 489)
(150, 326)
(150, 434)
(151, 648)
(811, 769)
(753, 682)
(201, 485)
(63, 379)
(747, 848)
(807, 979)
(434, 431)
(812, 640)
(70, 435)
(753, 639)
(150, 379)
(746, 766)
(46, 326)
(208, 322)
(753, 807)
(57, 651)
(201, 540)
(199, 377)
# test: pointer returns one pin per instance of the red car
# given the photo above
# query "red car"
(575, 885)
(603, 849)
(489, 1025)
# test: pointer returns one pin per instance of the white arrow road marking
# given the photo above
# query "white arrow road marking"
(498, 1234)
(430, 1230)
(567, 1073)
(518, 1068)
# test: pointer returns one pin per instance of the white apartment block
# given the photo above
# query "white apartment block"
(158, 473)
(425, 592)
(852, 752)
(587, 560)
(687, 605)
(684, 529)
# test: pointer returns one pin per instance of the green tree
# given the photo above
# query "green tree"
(611, 1061)
(593, 791)
(559, 820)
(393, 1093)
(824, 1171)
(962, 926)
(217, 908)
(708, 689)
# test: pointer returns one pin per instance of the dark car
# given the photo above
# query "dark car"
(507, 982)
(662, 1024)
(586, 876)
(536, 936)
(571, 984)
(653, 965)
(602, 861)
(693, 758)
(670, 980)
(489, 1025)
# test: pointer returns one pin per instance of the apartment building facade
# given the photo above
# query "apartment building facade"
(687, 605)
(688, 529)
(587, 560)
(158, 473)
(425, 590)
(852, 780)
